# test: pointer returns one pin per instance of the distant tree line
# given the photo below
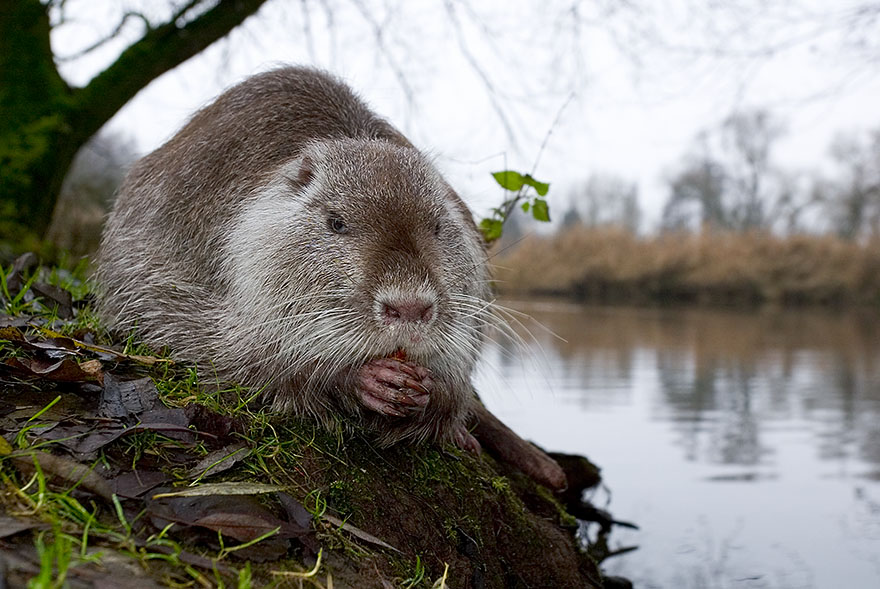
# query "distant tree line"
(730, 180)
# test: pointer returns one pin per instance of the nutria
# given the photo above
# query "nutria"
(291, 240)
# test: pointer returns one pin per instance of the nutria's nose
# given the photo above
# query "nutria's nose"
(407, 311)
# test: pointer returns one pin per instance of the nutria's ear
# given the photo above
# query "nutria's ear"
(300, 172)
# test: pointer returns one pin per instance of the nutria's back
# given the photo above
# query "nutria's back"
(290, 238)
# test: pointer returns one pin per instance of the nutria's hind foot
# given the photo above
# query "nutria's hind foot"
(393, 387)
(502, 442)
(464, 440)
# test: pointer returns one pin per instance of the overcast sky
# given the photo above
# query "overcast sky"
(618, 90)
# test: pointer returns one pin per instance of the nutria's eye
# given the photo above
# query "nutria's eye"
(337, 225)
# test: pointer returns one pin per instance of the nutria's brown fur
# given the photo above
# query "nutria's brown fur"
(288, 238)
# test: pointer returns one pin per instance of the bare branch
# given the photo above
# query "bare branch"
(101, 42)
(331, 27)
(159, 50)
(553, 126)
(184, 9)
(307, 28)
(379, 34)
(491, 91)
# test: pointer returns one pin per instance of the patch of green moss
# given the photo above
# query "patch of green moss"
(566, 520)
(340, 496)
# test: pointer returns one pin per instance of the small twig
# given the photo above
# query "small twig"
(101, 42)
(379, 34)
(550, 131)
(491, 91)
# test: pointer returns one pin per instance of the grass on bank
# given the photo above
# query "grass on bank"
(70, 531)
(613, 265)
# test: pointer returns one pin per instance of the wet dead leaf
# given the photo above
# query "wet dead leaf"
(9, 526)
(85, 441)
(357, 532)
(219, 460)
(10, 333)
(221, 489)
(65, 370)
(18, 322)
(132, 485)
(54, 296)
(108, 353)
(23, 263)
(63, 469)
(210, 422)
(80, 438)
(295, 511)
(54, 347)
(124, 399)
(300, 516)
(240, 517)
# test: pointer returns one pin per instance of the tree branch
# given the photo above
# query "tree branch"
(379, 34)
(103, 40)
(491, 91)
(161, 49)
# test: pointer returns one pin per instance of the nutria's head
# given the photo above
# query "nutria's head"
(353, 250)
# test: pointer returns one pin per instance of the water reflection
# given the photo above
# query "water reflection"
(725, 377)
(745, 443)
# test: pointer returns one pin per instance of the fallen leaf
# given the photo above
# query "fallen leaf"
(17, 322)
(9, 526)
(54, 296)
(221, 489)
(219, 460)
(65, 469)
(65, 370)
(59, 347)
(295, 510)
(108, 353)
(10, 333)
(132, 485)
(128, 398)
(357, 532)
(93, 440)
(210, 422)
(240, 517)
(15, 280)
(300, 516)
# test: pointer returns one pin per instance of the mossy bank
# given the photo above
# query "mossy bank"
(103, 436)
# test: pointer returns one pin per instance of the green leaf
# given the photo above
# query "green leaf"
(491, 229)
(509, 180)
(525, 206)
(540, 210)
(540, 187)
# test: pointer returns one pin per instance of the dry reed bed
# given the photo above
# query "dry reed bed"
(611, 264)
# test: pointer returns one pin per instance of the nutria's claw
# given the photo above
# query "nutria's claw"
(404, 399)
(379, 405)
(466, 441)
(411, 384)
(412, 370)
(392, 387)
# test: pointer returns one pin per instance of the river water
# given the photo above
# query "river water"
(744, 443)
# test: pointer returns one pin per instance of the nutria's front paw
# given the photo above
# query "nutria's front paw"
(393, 387)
